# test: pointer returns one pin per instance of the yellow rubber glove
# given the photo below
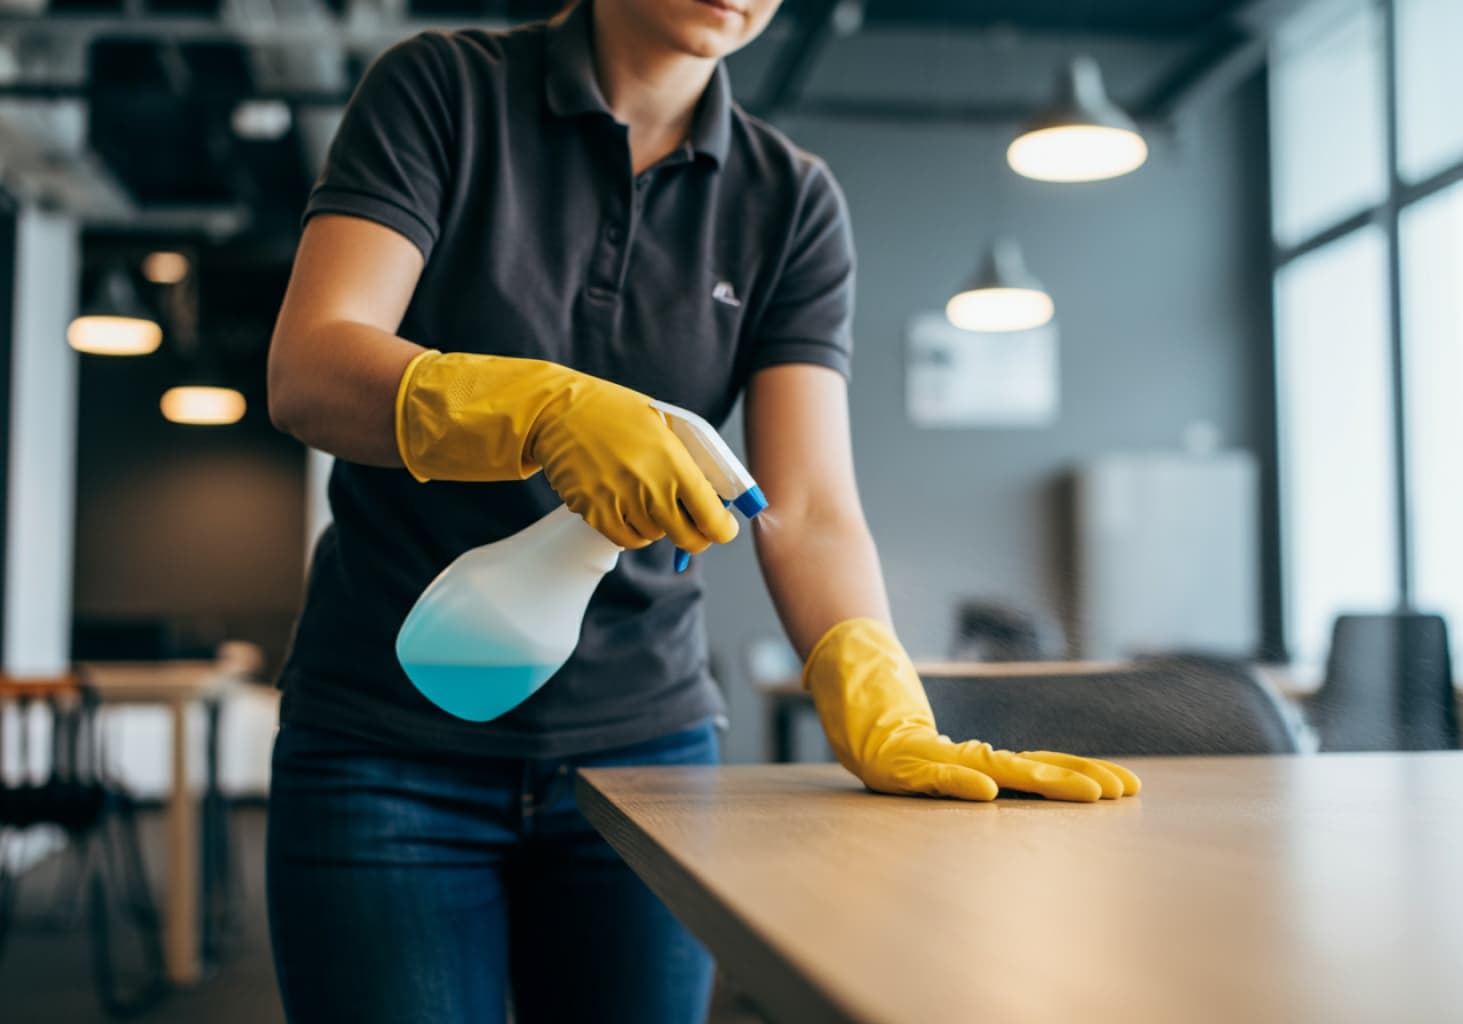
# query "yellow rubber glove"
(878, 721)
(603, 448)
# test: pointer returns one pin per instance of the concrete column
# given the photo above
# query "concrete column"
(40, 521)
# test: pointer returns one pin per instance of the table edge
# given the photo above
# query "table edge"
(748, 958)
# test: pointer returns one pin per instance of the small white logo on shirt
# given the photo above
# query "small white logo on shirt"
(724, 294)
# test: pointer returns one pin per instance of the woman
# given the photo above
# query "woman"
(516, 239)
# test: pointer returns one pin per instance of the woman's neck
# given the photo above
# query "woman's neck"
(652, 89)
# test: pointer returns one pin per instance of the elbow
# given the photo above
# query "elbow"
(279, 415)
(283, 398)
(293, 378)
(279, 409)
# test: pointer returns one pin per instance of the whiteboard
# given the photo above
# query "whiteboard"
(959, 378)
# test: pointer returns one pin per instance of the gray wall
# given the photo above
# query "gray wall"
(1162, 291)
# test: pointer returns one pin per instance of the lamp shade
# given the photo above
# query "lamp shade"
(114, 322)
(1003, 296)
(1084, 136)
(203, 405)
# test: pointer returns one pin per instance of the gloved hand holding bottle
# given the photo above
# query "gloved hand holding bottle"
(878, 721)
(602, 447)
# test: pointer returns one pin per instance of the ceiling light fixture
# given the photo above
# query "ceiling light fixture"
(1003, 296)
(203, 405)
(114, 322)
(165, 267)
(204, 397)
(1083, 137)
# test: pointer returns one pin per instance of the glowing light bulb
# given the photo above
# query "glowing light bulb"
(203, 406)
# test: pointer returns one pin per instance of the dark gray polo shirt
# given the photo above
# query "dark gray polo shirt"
(496, 155)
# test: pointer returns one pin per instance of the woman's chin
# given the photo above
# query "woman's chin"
(708, 43)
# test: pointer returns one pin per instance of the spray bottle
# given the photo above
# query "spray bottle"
(502, 618)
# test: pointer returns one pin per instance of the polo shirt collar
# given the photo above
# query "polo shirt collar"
(573, 89)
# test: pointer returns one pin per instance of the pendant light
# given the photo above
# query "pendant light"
(203, 397)
(1003, 296)
(165, 267)
(204, 405)
(114, 322)
(1083, 137)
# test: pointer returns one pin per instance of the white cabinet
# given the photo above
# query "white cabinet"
(1167, 555)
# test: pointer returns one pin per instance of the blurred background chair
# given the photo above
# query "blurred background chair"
(1388, 685)
(1159, 706)
(65, 789)
(998, 631)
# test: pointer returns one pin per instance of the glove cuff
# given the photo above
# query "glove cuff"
(836, 635)
(862, 659)
(854, 653)
(403, 392)
(469, 417)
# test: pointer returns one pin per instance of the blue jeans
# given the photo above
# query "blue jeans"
(411, 888)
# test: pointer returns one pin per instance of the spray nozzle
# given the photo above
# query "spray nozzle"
(711, 454)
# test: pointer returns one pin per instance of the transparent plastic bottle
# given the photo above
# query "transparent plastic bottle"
(502, 618)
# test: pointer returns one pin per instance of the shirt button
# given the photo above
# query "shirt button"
(615, 234)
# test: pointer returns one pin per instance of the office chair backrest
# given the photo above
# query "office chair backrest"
(997, 631)
(1155, 707)
(1388, 686)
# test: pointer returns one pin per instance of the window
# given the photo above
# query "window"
(1328, 155)
(1429, 86)
(1333, 363)
(1432, 307)
(1349, 216)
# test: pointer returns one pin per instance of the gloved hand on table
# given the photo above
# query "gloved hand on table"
(602, 447)
(878, 721)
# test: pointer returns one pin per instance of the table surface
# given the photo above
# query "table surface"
(161, 681)
(1325, 888)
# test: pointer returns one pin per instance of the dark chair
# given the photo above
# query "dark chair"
(1159, 706)
(98, 821)
(1388, 685)
(997, 631)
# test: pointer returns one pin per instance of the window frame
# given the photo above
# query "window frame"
(1399, 195)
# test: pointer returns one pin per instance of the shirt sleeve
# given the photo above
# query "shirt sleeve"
(809, 317)
(390, 159)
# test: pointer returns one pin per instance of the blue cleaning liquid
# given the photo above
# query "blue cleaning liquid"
(478, 692)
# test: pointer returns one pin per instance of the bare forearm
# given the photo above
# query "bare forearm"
(820, 571)
(335, 360)
(336, 390)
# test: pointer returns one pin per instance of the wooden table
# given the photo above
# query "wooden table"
(176, 685)
(1325, 888)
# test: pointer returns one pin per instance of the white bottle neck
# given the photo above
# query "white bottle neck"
(564, 536)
